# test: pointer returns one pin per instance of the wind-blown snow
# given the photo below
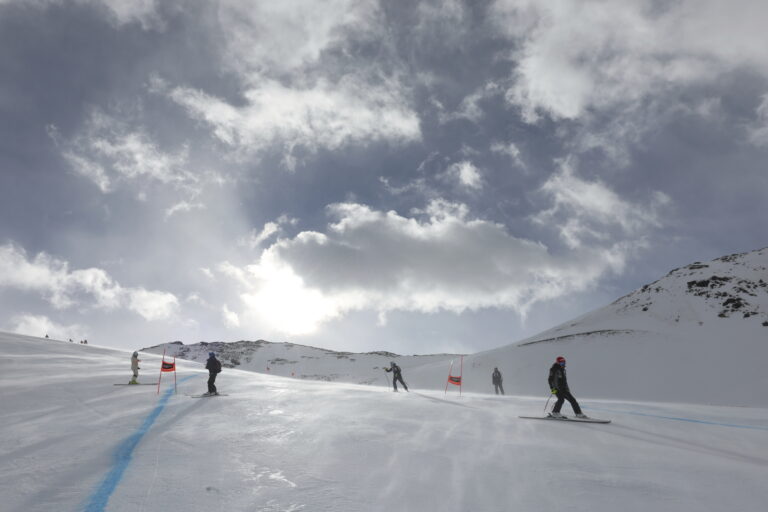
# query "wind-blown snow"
(282, 444)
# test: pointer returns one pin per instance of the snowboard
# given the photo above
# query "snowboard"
(138, 384)
(206, 396)
(566, 418)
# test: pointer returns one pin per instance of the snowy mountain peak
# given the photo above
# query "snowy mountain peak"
(729, 286)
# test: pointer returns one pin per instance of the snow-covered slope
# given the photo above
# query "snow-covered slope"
(697, 335)
(74, 442)
(301, 361)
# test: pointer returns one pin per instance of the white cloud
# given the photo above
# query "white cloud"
(438, 259)
(758, 132)
(40, 325)
(511, 150)
(152, 305)
(183, 206)
(231, 319)
(579, 55)
(64, 288)
(107, 151)
(585, 210)
(467, 174)
(254, 239)
(323, 115)
(118, 12)
(284, 36)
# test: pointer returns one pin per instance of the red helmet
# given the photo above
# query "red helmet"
(560, 359)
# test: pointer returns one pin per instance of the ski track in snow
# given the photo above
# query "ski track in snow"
(277, 444)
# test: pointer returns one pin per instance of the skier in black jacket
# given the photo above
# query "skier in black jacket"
(497, 380)
(558, 383)
(214, 368)
(396, 375)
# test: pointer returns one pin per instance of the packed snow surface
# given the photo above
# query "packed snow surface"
(72, 441)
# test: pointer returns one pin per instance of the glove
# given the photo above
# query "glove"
(554, 391)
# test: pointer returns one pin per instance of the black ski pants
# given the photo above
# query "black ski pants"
(211, 380)
(563, 395)
(499, 387)
(396, 378)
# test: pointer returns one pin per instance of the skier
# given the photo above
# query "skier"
(213, 366)
(558, 383)
(497, 379)
(135, 367)
(396, 375)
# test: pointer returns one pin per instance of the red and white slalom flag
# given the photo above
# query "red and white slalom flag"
(455, 379)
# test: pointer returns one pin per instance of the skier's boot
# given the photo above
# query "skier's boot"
(554, 414)
(582, 416)
(133, 381)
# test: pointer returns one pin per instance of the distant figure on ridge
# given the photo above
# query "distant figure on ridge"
(135, 367)
(497, 379)
(213, 366)
(396, 375)
(558, 384)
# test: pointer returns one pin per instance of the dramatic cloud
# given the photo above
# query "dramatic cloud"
(92, 286)
(438, 259)
(108, 151)
(323, 115)
(585, 211)
(577, 55)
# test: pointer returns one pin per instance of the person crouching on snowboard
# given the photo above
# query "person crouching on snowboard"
(135, 367)
(558, 383)
(213, 366)
(396, 375)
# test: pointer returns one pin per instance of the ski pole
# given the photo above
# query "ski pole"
(386, 377)
(547, 404)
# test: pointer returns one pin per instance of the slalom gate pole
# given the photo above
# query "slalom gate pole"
(461, 375)
(386, 377)
(547, 404)
(448, 380)
(174, 374)
(161, 371)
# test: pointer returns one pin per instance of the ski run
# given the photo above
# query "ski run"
(72, 441)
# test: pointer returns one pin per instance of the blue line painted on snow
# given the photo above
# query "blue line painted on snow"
(687, 420)
(98, 500)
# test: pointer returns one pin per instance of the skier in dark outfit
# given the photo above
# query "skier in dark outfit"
(497, 380)
(214, 368)
(396, 375)
(558, 383)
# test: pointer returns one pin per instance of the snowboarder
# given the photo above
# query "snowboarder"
(497, 379)
(213, 366)
(558, 384)
(135, 367)
(396, 375)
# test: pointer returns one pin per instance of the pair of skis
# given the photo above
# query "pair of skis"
(572, 419)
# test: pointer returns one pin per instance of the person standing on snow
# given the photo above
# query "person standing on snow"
(135, 367)
(558, 383)
(497, 379)
(213, 366)
(396, 375)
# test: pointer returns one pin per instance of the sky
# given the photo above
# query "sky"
(410, 176)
